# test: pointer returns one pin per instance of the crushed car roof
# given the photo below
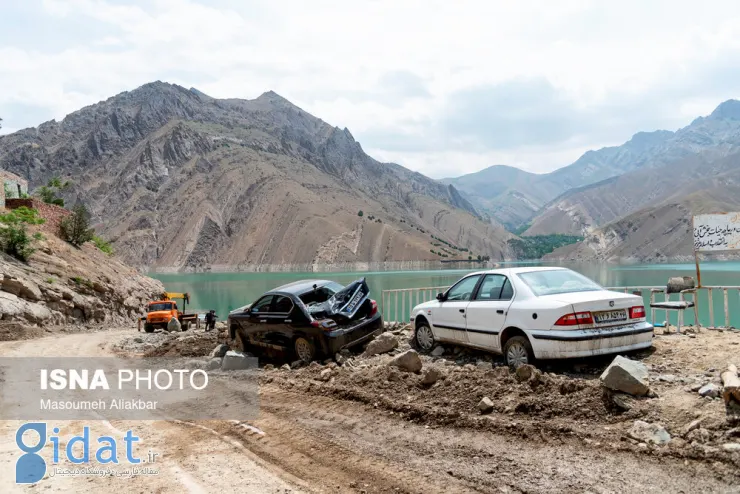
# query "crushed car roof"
(299, 287)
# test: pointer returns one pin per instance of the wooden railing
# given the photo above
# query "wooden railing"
(396, 304)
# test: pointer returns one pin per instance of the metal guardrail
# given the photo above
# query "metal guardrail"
(399, 302)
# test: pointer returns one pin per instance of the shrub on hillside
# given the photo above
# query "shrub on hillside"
(14, 237)
(103, 245)
(75, 228)
(49, 192)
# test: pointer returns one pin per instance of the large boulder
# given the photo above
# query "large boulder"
(235, 361)
(382, 344)
(174, 326)
(627, 376)
(408, 361)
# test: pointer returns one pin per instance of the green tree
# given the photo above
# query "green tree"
(75, 228)
(49, 193)
(14, 237)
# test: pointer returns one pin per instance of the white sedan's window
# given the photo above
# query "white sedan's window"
(464, 289)
(491, 287)
(557, 281)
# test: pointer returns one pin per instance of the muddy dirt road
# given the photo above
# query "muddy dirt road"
(314, 437)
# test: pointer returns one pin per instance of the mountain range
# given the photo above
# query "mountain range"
(633, 201)
(180, 180)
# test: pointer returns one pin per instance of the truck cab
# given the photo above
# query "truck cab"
(159, 312)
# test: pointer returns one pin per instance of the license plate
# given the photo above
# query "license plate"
(610, 316)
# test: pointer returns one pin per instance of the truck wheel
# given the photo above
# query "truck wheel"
(148, 328)
(304, 349)
(185, 326)
(518, 352)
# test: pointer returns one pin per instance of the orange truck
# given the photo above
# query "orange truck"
(159, 312)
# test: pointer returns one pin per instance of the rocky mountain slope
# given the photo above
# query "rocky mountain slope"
(576, 198)
(691, 153)
(515, 197)
(662, 230)
(177, 179)
(64, 285)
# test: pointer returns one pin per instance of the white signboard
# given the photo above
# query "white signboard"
(716, 232)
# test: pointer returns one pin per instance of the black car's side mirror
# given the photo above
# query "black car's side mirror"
(441, 297)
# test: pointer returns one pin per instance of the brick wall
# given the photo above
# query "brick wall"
(52, 213)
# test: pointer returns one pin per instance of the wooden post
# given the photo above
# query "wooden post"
(731, 384)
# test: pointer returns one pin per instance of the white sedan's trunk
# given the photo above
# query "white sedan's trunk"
(607, 308)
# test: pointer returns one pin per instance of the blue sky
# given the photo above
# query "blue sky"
(441, 87)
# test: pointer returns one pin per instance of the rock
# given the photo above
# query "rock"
(627, 376)
(525, 372)
(269, 367)
(138, 340)
(297, 364)
(667, 378)
(325, 375)
(394, 376)
(500, 372)
(23, 288)
(382, 344)
(485, 405)
(214, 363)
(692, 426)
(731, 447)
(696, 387)
(649, 433)
(408, 361)
(174, 326)
(469, 367)
(235, 361)
(220, 350)
(622, 401)
(285, 367)
(430, 376)
(484, 366)
(195, 364)
(438, 351)
(710, 390)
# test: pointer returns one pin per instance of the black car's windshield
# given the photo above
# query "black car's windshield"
(160, 306)
(320, 294)
(557, 281)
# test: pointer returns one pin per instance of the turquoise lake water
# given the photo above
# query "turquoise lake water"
(227, 291)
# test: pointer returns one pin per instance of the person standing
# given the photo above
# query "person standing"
(211, 320)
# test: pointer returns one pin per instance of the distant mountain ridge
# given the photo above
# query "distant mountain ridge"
(581, 196)
(178, 179)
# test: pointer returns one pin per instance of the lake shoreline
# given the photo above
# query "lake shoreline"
(356, 267)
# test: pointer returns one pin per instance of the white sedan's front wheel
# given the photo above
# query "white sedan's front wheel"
(424, 338)
(518, 352)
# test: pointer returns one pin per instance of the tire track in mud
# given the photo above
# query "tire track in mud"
(353, 447)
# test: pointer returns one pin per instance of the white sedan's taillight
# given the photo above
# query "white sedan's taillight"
(637, 312)
(575, 319)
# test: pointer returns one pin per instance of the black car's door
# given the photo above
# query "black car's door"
(254, 321)
(279, 322)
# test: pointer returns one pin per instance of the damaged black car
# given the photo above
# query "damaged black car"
(308, 319)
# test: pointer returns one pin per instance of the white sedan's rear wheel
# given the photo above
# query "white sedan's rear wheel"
(518, 352)
(424, 338)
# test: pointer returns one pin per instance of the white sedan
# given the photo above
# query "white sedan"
(533, 313)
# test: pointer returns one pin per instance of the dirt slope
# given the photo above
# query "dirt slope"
(180, 180)
(64, 285)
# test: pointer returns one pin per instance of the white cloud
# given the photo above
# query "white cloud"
(392, 70)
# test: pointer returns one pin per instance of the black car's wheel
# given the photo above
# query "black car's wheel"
(304, 349)
(149, 328)
(518, 352)
(424, 337)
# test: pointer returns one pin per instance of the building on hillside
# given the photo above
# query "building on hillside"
(14, 187)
